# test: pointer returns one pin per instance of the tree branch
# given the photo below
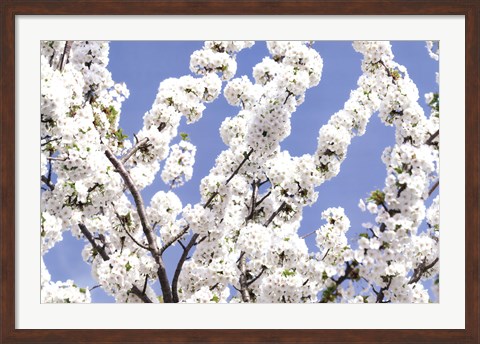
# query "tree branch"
(280, 208)
(432, 137)
(421, 269)
(105, 257)
(66, 53)
(140, 294)
(178, 270)
(254, 198)
(48, 183)
(345, 276)
(212, 196)
(388, 71)
(243, 278)
(89, 236)
(253, 203)
(152, 242)
(348, 270)
(381, 293)
(193, 239)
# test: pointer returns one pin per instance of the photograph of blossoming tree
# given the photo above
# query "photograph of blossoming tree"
(239, 172)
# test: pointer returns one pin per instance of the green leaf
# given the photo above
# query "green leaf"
(289, 272)
(128, 266)
(215, 298)
(377, 196)
(184, 137)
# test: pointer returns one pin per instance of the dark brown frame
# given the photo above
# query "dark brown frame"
(10, 8)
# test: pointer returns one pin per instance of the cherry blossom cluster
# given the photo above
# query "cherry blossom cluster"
(216, 57)
(397, 257)
(185, 96)
(80, 114)
(245, 230)
(276, 264)
(179, 165)
(434, 49)
(80, 109)
(332, 241)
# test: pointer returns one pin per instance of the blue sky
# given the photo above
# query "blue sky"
(143, 65)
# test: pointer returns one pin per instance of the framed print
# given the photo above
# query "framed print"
(239, 240)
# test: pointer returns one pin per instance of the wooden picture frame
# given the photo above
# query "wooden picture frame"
(12, 8)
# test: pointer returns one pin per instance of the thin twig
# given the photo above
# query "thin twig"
(49, 175)
(434, 186)
(240, 166)
(105, 257)
(51, 140)
(325, 256)
(263, 199)
(128, 233)
(308, 234)
(264, 182)
(174, 239)
(57, 158)
(240, 257)
(249, 283)
(288, 96)
(145, 285)
(134, 149)
(181, 244)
